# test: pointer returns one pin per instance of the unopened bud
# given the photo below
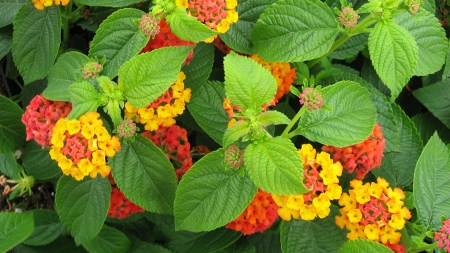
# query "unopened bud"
(311, 98)
(91, 69)
(149, 25)
(126, 128)
(413, 6)
(234, 156)
(348, 17)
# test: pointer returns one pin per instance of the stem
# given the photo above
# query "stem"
(423, 248)
(66, 27)
(405, 238)
(293, 121)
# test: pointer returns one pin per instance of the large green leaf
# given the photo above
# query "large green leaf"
(427, 124)
(62, 244)
(206, 106)
(291, 30)
(65, 72)
(12, 131)
(147, 76)
(109, 240)
(8, 9)
(275, 166)
(6, 34)
(233, 133)
(37, 162)
(363, 245)
(240, 246)
(312, 236)
(430, 37)
(436, 98)
(15, 227)
(84, 98)
(46, 227)
(398, 167)
(209, 193)
(265, 242)
(36, 40)
(394, 55)
(108, 3)
(118, 39)
(200, 66)
(187, 27)
(432, 184)
(351, 119)
(145, 175)
(82, 206)
(8, 165)
(247, 83)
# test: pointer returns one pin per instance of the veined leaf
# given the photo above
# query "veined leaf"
(233, 133)
(446, 71)
(8, 9)
(109, 240)
(15, 228)
(37, 162)
(108, 3)
(200, 67)
(84, 97)
(427, 124)
(8, 165)
(46, 227)
(272, 118)
(351, 47)
(6, 34)
(294, 31)
(12, 130)
(363, 245)
(242, 245)
(188, 28)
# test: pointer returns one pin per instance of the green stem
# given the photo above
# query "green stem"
(66, 27)
(405, 238)
(423, 248)
(293, 121)
(18, 83)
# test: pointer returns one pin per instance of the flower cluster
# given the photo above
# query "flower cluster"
(149, 25)
(348, 17)
(91, 69)
(81, 146)
(162, 111)
(40, 116)
(443, 236)
(215, 14)
(174, 143)
(258, 216)
(311, 98)
(166, 38)
(321, 175)
(126, 129)
(373, 211)
(40, 4)
(120, 206)
(362, 157)
(234, 157)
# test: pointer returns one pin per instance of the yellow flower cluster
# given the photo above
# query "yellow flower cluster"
(163, 110)
(321, 175)
(40, 4)
(81, 146)
(373, 211)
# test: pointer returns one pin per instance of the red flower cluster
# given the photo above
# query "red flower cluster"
(258, 216)
(121, 207)
(40, 116)
(174, 143)
(362, 157)
(443, 236)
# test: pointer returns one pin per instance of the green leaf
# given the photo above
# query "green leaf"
(200, 66)
(369, 74)
(36, 40)
(208, 192)
(118, 39)
(351, 120)
(149, 179)
(46, 227)
(8, 165)
(240, 246)
(184, 241)
(12, 131)
(294, 31)
(265, 242)
(8, 9)
(109, 240)
(147, 76)
(114, 111)
(107, 3)
(398, 167)
(432, 184)
(37, 162)
(233, 133)
(82, 206)
(312, 236)
(15, 228)
(272, 118)
(188, 28)
(84, 97)
(247, 83)
(144, 247)
(427, 124)
(446, 70)
(394, 55)
(430, 37)
(436, 98)
(5, 40)
(206, 106)
(65, 72)
(275, 166)
(363, 245)
(60, 245)
(351, 47)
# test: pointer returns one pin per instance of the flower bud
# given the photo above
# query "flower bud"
(126, 129)
(91, 69)
(311, 98)
(149, 25)
(413, 5)
(348, 17)
(234, 156)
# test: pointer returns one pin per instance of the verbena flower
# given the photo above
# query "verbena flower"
(174, 143)
(311, 98)
(120, 206)
(40, 4)
(164, 109)
(81, 146)
(40, 116)
(373, 211)
(362, 157)
(321, 175)
(258, 216)
(443, 236)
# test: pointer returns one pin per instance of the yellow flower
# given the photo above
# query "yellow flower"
(354, 215)
(308, 154)
(103, 169)
(372, 232)
(334, 191)
(85, 166)
(98, 157)
(223, 26)
(57, 140)
(295, 202)
(231, 4)
(91, 119)
(232, 16)
(73, 126)
(164, 111)
(321, 202)
(182, 3)
(102, 134)
(64, 163)
(283, 211)
(348, 201)
(87, 131)
(308, 212)
(375, 190)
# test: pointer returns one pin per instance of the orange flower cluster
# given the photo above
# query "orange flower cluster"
(321, 175)
(81, 146)
(120, 206)
(162, 111)
(258, 216)
(174, 143)
(40, 116)
(40, 4)
(373, 211)
(362, 157)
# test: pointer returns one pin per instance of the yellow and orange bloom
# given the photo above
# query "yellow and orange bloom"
(40, 4)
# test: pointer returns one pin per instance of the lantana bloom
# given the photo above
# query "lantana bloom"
(40, 4)
(120, 206)
(258, 216)
(321, 175)
(362, 157)
(40, 116)
(164, 109)
(443, 236)
(81, 146)
(373, 211)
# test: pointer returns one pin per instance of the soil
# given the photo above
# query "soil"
(42, 198)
